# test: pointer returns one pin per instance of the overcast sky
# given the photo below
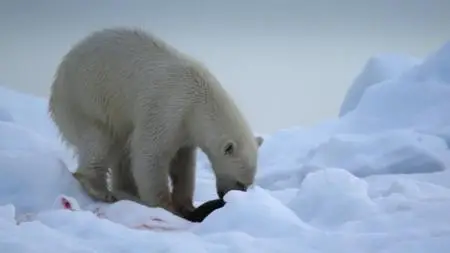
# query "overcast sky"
(286, 63)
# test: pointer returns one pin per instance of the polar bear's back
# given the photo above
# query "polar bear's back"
(105, 75)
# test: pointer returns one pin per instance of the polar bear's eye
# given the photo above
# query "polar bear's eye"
(229, 148)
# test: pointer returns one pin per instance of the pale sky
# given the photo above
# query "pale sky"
(286, 63)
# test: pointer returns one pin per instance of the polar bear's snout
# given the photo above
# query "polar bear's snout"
(223, 187)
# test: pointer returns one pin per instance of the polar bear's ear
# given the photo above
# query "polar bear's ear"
(259, 140)
(229, 148)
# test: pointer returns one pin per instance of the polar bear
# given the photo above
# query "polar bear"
(126, 100)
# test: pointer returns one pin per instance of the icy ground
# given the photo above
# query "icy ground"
(376, 179)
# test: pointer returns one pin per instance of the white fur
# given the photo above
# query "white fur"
(127, 101)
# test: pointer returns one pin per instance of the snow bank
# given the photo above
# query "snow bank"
(29, 181)
(375, 179)
(398, 126)
(389, 152)
(31, 169)
(27, 111)
(377, 69)
(332, 197)
(245, 211)
(418, 100)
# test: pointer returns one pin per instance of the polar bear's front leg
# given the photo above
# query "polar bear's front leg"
(182, 174)
(94, 148)
(123, 186)
(151, 156)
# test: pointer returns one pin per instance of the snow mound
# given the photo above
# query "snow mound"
(332, 197)
(7, 213)
(5, 116)
(406, 205)
(292, 146)
(32, 181)
(245, 211)
(377, 69)
(15, 107)
(418, 99)
(389, 152)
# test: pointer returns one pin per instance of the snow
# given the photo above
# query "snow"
(374, 179)
(418, 99)
(404, 152)
(377, 69)
(345, 199)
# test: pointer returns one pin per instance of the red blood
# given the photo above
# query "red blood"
(66, 204)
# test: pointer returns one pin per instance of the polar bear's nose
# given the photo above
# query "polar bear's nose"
(221, 194)
(238, 186)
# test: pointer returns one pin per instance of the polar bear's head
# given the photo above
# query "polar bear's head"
(218, 127)
(235, 165)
